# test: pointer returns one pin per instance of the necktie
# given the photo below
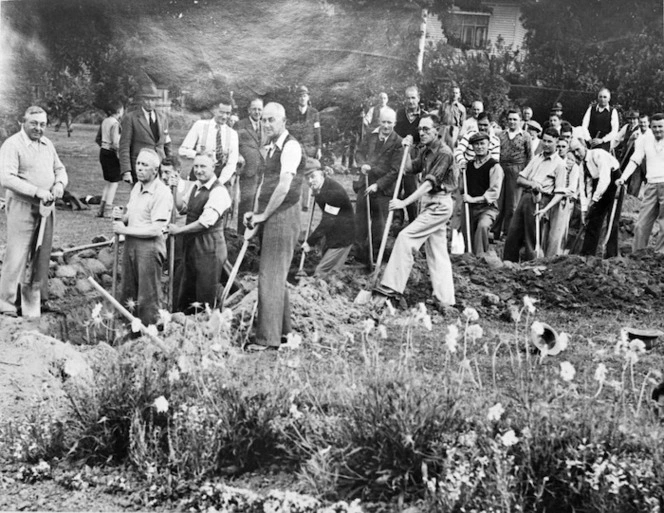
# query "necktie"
(218, 151)
(154, 127)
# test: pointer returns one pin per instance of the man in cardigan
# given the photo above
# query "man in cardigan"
(379, 157)
(515, 153)
(484, 178)
(203, 236)
(336, 227)
(278, 214)
(33, 175)
(601, 121)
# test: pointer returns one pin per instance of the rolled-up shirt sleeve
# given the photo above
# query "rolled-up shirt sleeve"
(218, 202)
(291, 156)
(496, 175)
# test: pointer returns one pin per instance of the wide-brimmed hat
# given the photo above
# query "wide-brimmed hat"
(148, 91)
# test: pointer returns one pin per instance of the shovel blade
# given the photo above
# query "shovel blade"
(363, 297)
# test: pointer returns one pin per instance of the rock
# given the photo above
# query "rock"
(87, 253)
(105, 256)
(66, 271)
(492, 260)
(490, 299)
(106, 281)
(94, 266)
(83, 286)
(56, 288)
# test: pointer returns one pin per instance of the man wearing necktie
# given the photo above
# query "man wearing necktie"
(143, 128)
(216, 137)
(379, 156)
(250, 136)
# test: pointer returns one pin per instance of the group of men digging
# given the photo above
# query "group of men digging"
(412, 163)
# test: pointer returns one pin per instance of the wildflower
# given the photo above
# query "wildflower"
(96, 311)
(471, 314)
(130, 304)
(164, 316)
(451, 338)
(350, 337)
(382, 331)
(496, 412)
(567, 371)
(475, 331)
(197, 305)
(600, 373)
(294, 412)
(136, 325)
(426, 322)
(173, 375)
(293, 341)
(537, 327)
(161, 404)
(529, 304)
(509, 439)
(368, 326)
(637, 345)
(184, 364)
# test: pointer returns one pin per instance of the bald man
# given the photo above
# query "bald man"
(379, 158)
(470, 124)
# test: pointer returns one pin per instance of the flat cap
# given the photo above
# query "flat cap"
(478, 137)
(311, 165)
(534, 125)
(302, 90)
(557, 106)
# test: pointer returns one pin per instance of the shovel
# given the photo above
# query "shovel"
(171, 257)
(538, 242)
(300, 271)
(368, 200)
(116, 258)
(469, 244)
(364, 296)
(612, 218)
(44, 211)
(248, 235)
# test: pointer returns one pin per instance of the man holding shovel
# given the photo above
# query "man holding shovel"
(336, 227)
(435, 164)
(543, 181)
(34, 177)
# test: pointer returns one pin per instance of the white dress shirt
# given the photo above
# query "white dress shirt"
(202, 138)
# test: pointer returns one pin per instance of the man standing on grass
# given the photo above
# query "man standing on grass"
(336, 228)
(544, 175)
(34, 177)
(439, 179)
(203, 236)
(649, 150)
(148, 214)
(484, 178)
(601, 121)
(278, 215)
(603, 169)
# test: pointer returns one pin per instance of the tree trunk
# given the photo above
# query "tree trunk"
(423, 40)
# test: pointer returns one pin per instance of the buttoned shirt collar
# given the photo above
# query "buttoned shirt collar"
(255, 124)
(28, 141)
(600, 109)
(279, 143)
(148, 114)
(206, 185)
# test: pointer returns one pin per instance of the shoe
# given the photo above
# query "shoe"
(102, 206)
(385, 291)
(48, 307)
(9, 313)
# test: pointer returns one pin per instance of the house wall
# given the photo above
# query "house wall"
(505, 22)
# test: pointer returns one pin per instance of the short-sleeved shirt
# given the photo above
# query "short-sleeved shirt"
(650, 150)
(549, 172)
(218, 202)
(291, 153)
(149, 205)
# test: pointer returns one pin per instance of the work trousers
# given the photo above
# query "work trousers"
(599, 211)
(410, 185)
(333, 260)
(559, 217)
(248, 186)
(379, 212)
(482, 218)
(510, 194)
(141, 276)
(429, 228)
(652, 211)
(204, 257)
(279, 236)
(23, 220)
(522, 232)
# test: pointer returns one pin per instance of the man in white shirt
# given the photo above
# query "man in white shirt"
(204, 244)
(470, 124)
(216, 137)
(649, 149)
(601, 121)
(371, 119)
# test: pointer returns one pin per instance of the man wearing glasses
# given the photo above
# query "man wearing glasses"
(435, 164)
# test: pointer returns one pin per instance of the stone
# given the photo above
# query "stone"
(106, 281)
(178, 318)
(490, 299)
(83, 286)
(87, 253)
(492, 261)
(66, 271)
(105, 256)
(94, 266)
(56, 288)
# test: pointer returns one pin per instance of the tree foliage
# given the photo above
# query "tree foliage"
(68, 94)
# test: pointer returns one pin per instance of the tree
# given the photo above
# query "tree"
(68, 94)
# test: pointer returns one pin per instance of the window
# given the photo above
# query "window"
(468, 28)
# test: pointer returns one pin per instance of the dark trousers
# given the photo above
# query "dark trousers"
(279, 236)
(248, 186)
(508, 200)
(141, 276)
(522, 232)
(379, 211)
(598, 212)
(203, 264)
(482, 217)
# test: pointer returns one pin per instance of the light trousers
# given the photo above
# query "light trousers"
(652, 211)
(429, 228)
(333, 260)
(558, 227)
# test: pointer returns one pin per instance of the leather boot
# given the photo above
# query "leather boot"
(102, 206)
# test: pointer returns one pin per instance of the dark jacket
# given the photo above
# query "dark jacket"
(338, 222)
(384, 159)
(250, 144)
(306, 129)
(136, 135)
